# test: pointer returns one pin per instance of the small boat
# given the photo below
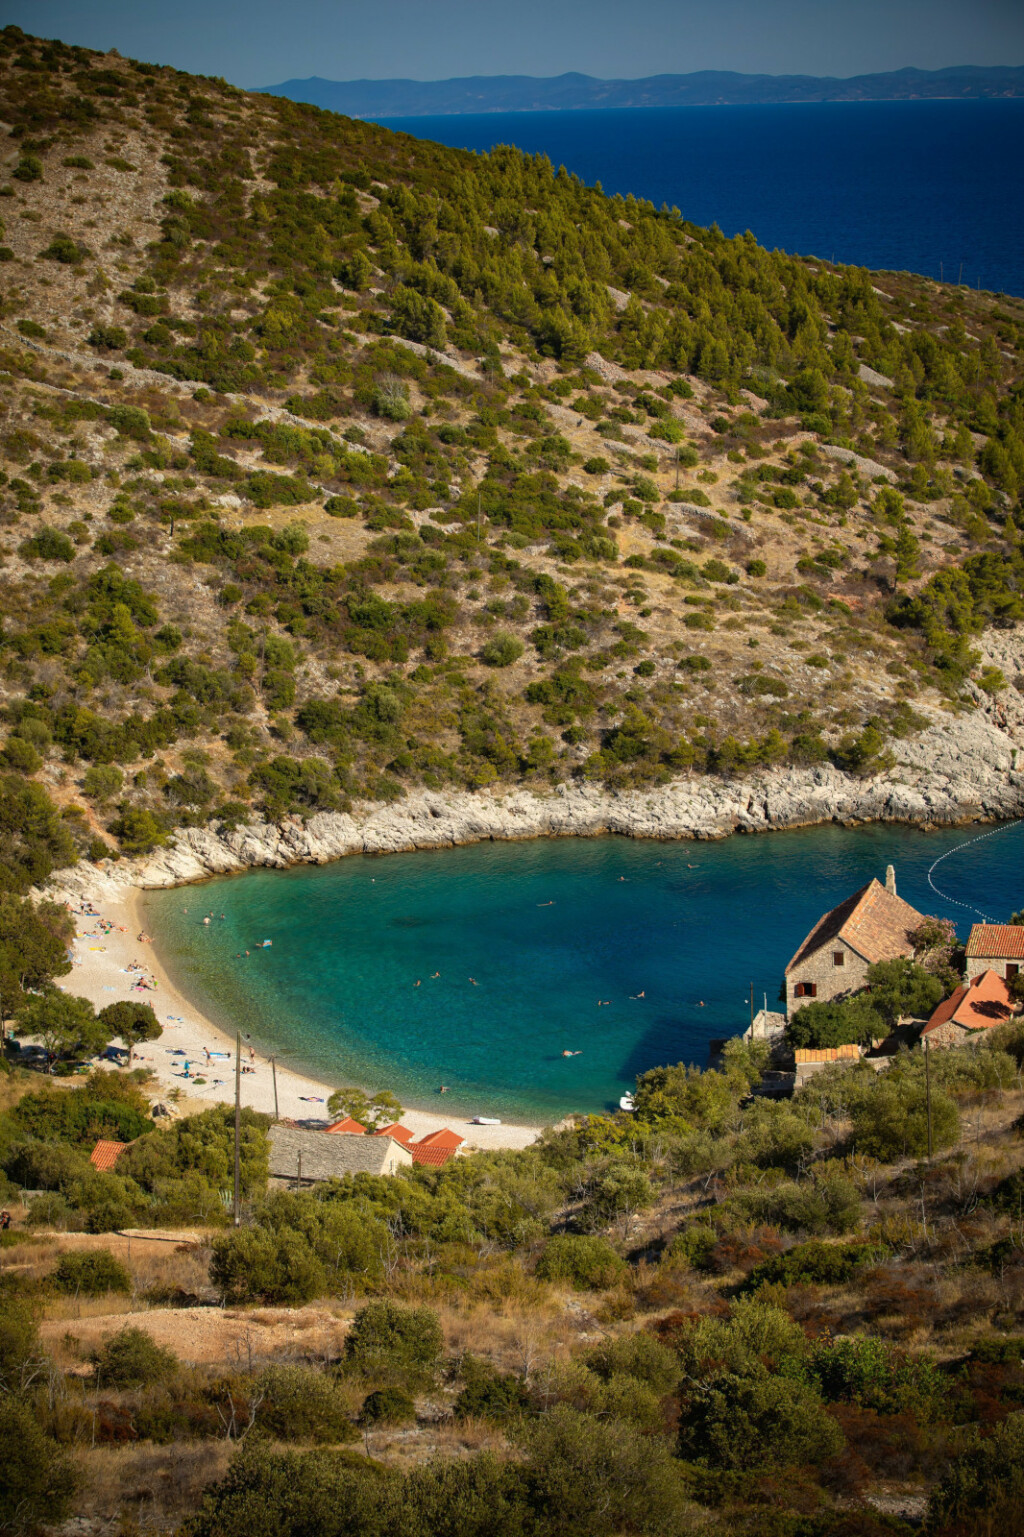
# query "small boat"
(484, 1120)
(627, 1102)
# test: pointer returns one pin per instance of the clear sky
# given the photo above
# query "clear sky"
(263, 42)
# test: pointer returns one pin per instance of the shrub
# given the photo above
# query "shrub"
(587, 1263)
(29, 168)
(877, 1376)
(385, 1338)
(20, 756)
(47, 544)
(108, 338)
(131, 1358)
(758, 1421)
(813, 1264)
(596, 465)
(19, 1344)
(252, 1265)
(37, 1481)
(983, 1488)
(892, 1120)
(63, 249)
(388, 1406)
(488, 1394)
(637, 1355)
(91, 1273)
(502, 650)
(303, 1404)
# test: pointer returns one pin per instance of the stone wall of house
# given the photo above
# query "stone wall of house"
(950, 1034)
(832, 981)
(977, 964)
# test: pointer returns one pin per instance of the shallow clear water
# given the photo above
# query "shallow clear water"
(921, 186)
(558, 936)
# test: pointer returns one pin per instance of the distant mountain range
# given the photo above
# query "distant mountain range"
(706, 88)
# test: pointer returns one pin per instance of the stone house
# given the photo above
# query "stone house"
(977, 1005)
(307, 1157)
(872, 925)
(997, 947)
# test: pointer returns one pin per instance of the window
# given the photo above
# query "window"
(806, 990)
(839, 957)
(1012, 970)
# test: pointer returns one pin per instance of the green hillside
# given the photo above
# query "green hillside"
(337, 462)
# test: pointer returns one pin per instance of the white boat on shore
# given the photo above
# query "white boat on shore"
(484, 1120)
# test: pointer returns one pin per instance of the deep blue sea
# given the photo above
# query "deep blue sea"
(925, 186)
(631, 953)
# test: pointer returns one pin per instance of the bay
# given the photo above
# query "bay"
(630, 953)
(935, 187)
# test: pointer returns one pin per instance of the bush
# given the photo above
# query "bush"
(385, 1338)
(388, 1406)
(91, 1273)
(596, 465)
(19, 1344)
(587, 1263)
(983, 1487)
(47, 544)
(502, 650)
(303, 1404)
(759, 1421)
(810, 1264)
(892, 1120)
(131, 1358)
(63, 249)
(108, 338)
(29, 168)
(637, 1355)
(252, 1265)
(876, 1375)
(488, 1394)
(37, 1482)
(20, 756)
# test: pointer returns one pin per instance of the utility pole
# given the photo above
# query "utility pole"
(677, 466)
(238, 1128)
(273, 1070)
(928, 1092)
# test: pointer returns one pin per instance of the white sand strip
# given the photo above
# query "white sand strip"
(101, 974)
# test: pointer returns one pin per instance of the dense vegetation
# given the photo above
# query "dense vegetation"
(722, 1314)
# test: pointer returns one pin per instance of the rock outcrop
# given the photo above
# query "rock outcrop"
(959, 770)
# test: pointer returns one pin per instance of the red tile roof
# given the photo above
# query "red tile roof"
(847, 1053)
(105, 1154)
(432, 1154)
(442, 1138)
(399, 1133)
(873, 922)
(976, 1005)
(1004, 941)
(347, 1125)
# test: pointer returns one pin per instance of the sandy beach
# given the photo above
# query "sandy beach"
(102, 973)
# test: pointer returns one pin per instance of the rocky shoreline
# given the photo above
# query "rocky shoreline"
(961, 769)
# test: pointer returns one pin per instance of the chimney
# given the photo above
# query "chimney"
(890, 880)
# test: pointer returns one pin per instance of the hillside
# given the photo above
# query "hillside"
(703, 88)
(722, 1316)
(337, 464)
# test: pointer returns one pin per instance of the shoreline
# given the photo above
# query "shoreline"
(99, 974)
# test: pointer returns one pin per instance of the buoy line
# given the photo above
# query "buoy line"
(955, 850)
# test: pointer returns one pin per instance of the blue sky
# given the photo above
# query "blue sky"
(262, 42)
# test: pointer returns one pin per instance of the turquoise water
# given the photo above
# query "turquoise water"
(559, 938)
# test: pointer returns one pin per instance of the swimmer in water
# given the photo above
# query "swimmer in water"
(443, 1089)
(434, 974)
(416, 983)
(474, 981)
(635, 996)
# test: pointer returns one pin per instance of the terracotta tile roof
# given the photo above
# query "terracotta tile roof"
(847, 1053)
(873, 922)
(442, 1138)
(431, 1154)
(976, 1005)
(400, 1133)
(1004, 941)
(105, 1154)
(348, 1125)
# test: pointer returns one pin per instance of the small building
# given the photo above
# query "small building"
(997, 947)
(977, 1005)
(299, 1157)
(105, 1154)
(873, 925)
(435, 1149)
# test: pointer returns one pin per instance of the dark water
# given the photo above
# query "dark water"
(559, 937)
(903, 185)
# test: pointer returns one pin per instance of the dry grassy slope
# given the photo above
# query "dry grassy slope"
(841, 664)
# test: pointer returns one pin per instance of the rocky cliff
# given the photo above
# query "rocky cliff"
(960, 770)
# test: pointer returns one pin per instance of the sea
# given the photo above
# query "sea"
(477, 967)
(934, 187)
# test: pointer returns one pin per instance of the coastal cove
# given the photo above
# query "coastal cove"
(630, 953)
